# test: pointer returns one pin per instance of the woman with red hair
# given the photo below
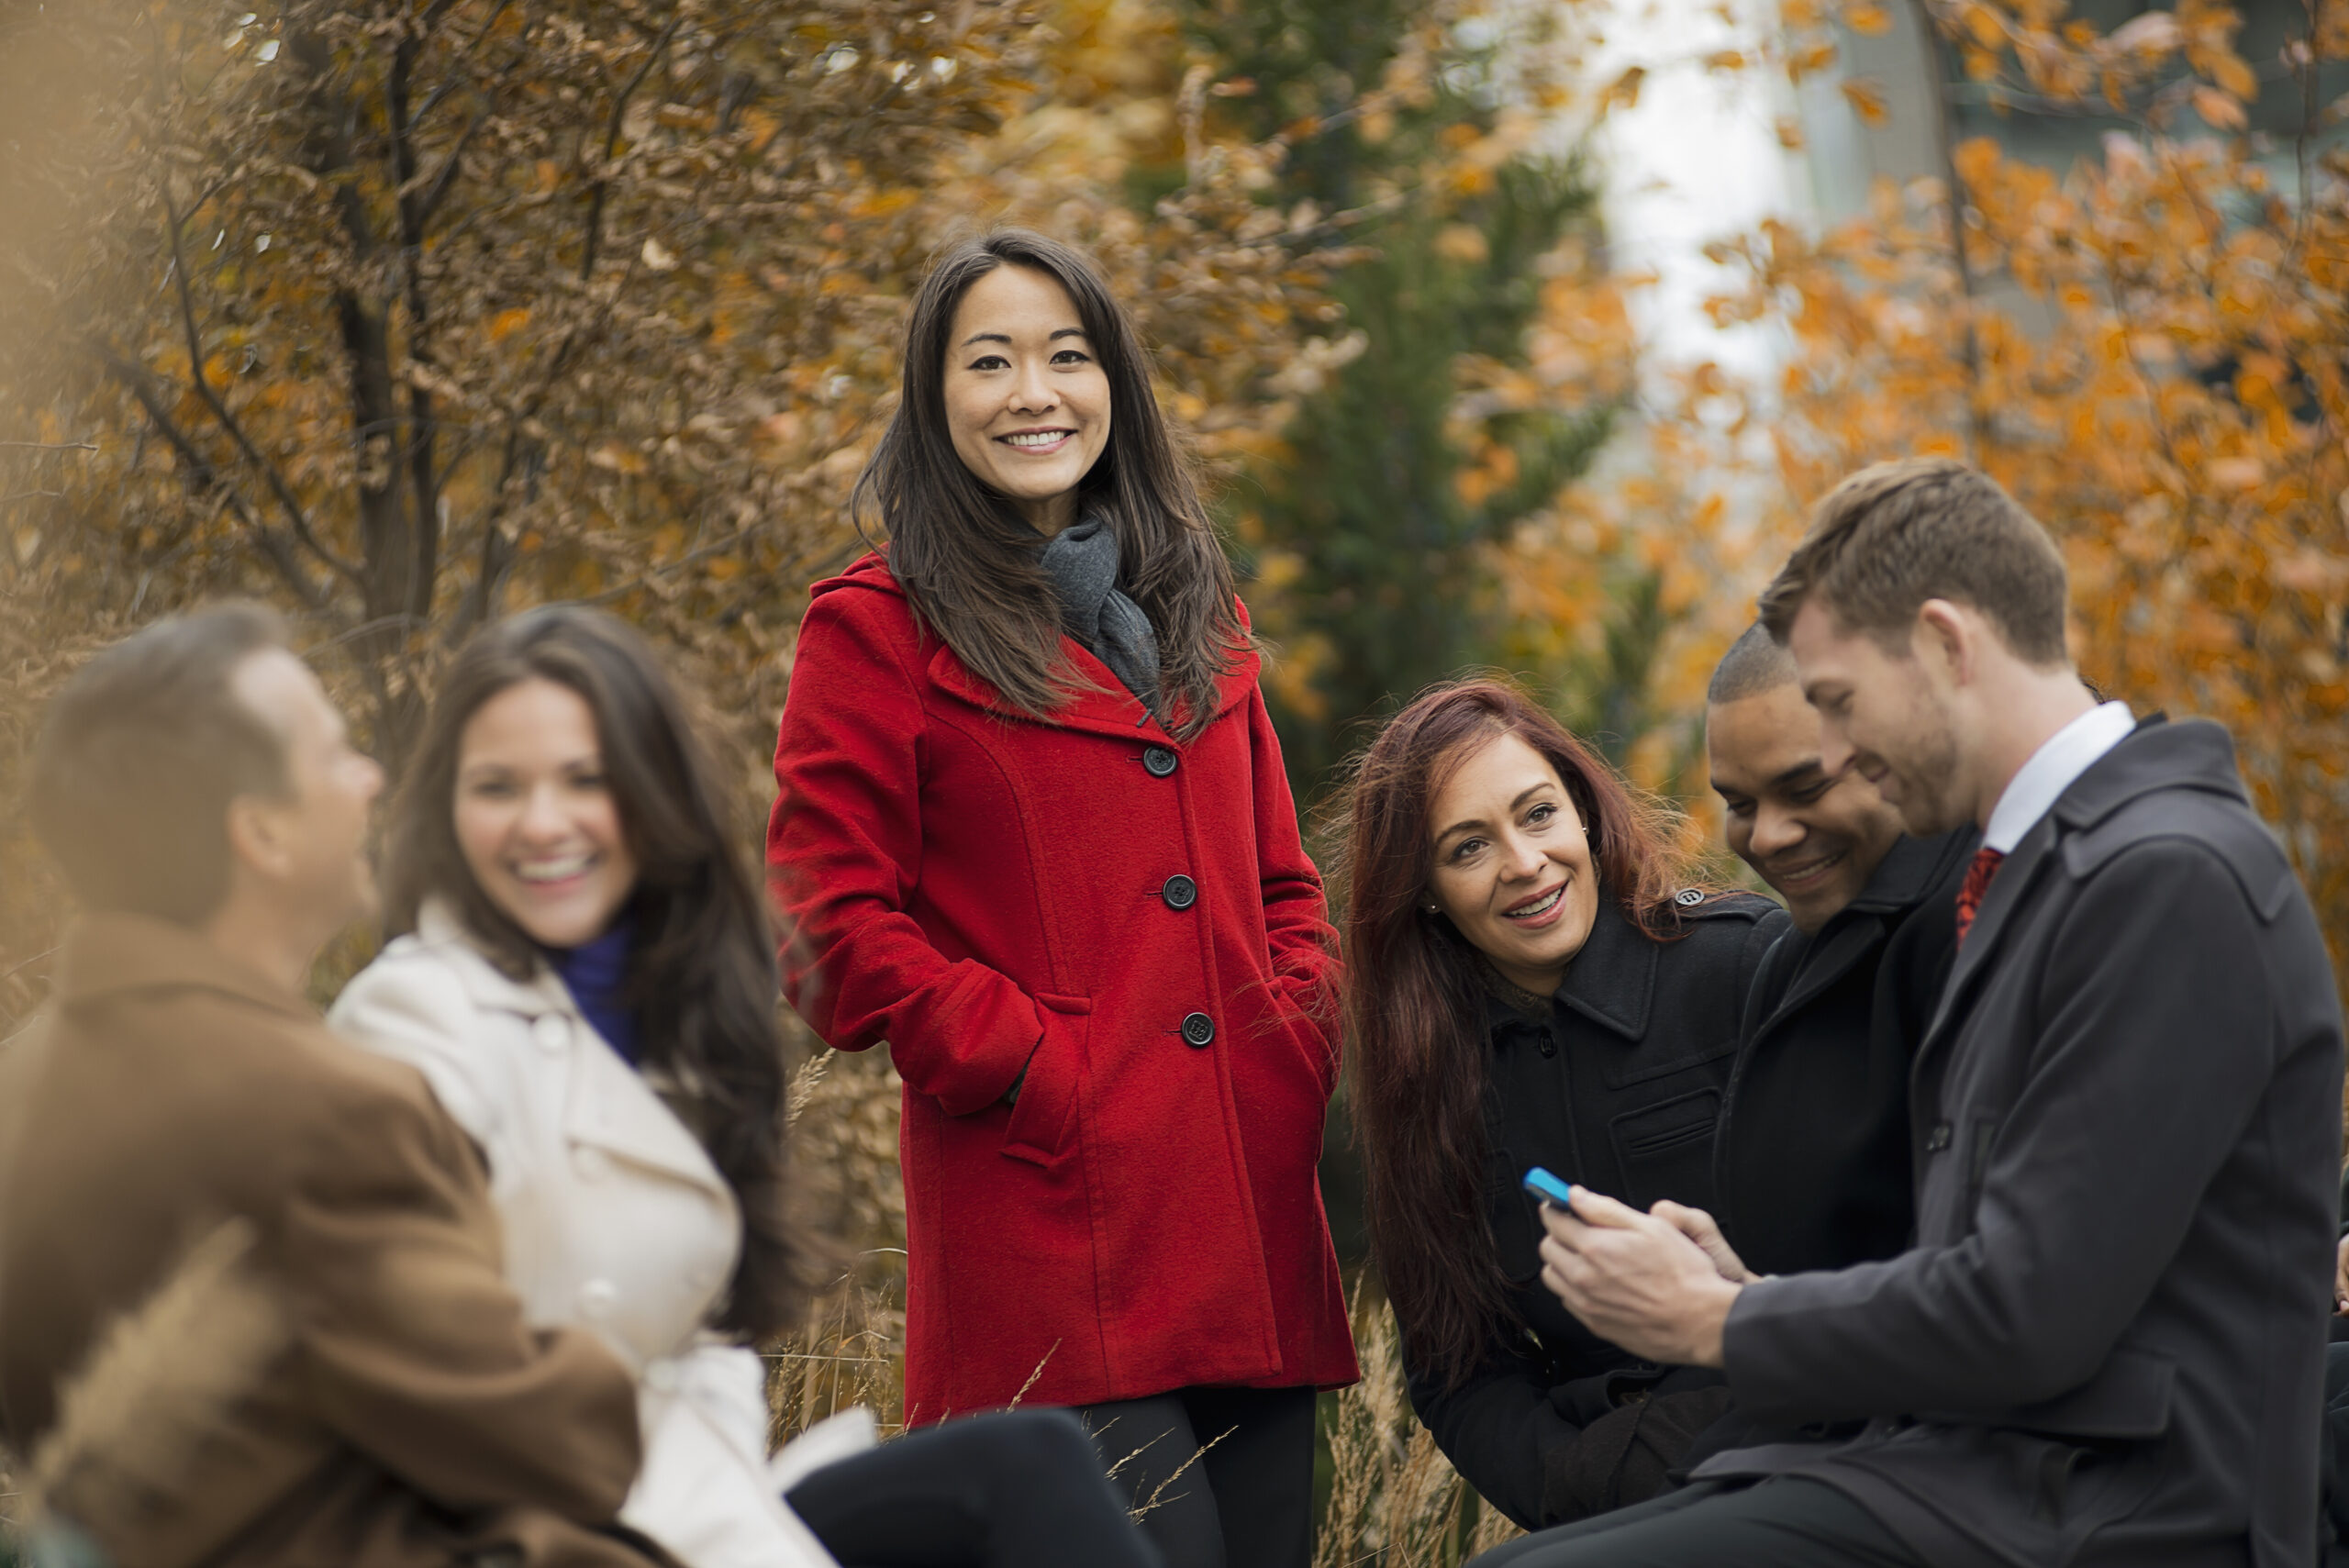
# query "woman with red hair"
(1532, 980)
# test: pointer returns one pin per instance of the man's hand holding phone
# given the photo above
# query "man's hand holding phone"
(1659, 1284)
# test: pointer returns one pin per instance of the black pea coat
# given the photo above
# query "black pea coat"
(2108, 1345)
(1619, 1089)
(1813, 1159)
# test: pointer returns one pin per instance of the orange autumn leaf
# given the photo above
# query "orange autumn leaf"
(1866, 99)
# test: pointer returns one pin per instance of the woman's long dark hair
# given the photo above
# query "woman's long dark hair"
(969, 563)
(702, 976)
(1415, 1005)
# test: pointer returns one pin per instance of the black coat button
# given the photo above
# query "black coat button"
(1198, 1031)
(1938, 1139)
(1180, 891)
(1160, 761)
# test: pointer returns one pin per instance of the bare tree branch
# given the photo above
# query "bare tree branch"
(611, 145)
(429, 203)
(49, 446)
(227, 422)
(459, 78)
(205, 476)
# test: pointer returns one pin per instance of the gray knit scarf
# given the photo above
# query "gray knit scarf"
(1082, 560)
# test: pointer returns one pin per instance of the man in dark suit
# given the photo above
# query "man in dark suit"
(1812, 1151)
(370, 1393)
(2107, 1345)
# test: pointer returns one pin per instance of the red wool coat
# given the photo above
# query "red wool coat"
(1131, 921)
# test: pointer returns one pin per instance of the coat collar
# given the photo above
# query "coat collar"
(440, 928)
(1911, 868)
(1611, 981)
(607, 1104)
(1101, 706)
(108, 954)
(2157, 755)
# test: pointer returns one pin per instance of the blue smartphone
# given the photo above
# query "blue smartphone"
(1549, 1188)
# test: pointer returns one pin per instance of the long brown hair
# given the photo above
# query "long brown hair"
(1415, 1009)
(702, 973)
(966, 559)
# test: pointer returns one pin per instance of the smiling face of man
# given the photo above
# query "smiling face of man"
(1886, 715)
(1814, 835)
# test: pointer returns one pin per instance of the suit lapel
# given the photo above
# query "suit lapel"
(612, 1107)
(2007, 894)
(607, 1104)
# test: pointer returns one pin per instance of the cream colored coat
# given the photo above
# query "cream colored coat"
(615, 1218)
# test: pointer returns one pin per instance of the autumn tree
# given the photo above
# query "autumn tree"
(2145, 347)
(1436, 424)
(404, 313)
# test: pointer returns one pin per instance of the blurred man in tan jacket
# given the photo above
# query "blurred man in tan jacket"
(198, 790)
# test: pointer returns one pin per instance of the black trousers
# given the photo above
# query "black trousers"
(1788, 1521)
(1021, 1489)
(1219, 1478)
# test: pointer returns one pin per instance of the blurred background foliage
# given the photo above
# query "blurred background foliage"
(403, 313)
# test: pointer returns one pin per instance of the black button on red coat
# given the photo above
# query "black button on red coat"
(1198, 1031)
(1180, 891)
(1160, 761)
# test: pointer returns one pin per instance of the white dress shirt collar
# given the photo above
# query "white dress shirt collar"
(2065, 756)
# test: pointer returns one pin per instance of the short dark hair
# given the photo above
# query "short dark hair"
(142, 752)
(1754, 663)
(1891, 537)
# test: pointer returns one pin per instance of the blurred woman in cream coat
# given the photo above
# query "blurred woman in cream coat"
(582, 968)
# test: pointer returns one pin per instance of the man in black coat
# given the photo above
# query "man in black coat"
(1812, 1151)
(2107, 1346)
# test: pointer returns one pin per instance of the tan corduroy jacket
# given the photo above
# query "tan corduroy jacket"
(411, 1417)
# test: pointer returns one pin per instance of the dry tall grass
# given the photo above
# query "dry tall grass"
(1394, 1501)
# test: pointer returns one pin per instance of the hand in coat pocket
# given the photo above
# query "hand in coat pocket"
(1039, 1127)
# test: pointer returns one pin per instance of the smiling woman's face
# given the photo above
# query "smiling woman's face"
(1027, 400)
(1511, 861)
(535, 817)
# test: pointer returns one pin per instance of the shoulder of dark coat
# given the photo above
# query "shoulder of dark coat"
(2184, 821)
(1706, 904)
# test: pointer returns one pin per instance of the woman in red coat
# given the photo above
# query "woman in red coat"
(1033, 831)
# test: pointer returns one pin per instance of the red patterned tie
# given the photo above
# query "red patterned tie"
(1978, 873)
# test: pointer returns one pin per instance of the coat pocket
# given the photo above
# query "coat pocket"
(1319, 1056)
(1667, 1149)
(1039, 1131)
